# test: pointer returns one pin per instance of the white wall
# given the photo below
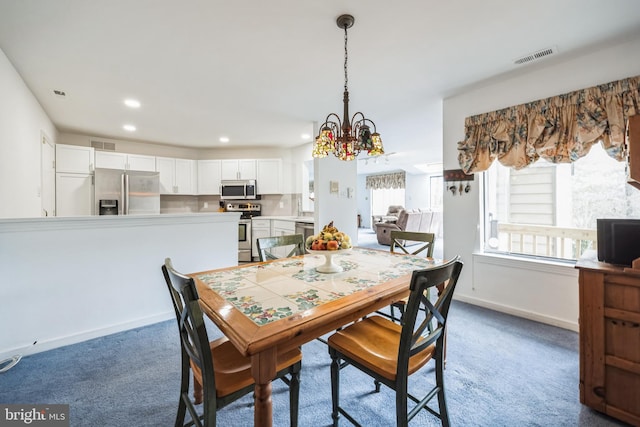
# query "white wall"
(65, 280)
(339, 208)
(544, 293)
(22, 120)
(417, 192)
(363, 200)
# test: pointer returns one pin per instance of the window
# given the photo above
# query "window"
(382, 198)
(550, 210)
(436, 185)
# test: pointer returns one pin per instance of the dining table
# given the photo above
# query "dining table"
(277, 305)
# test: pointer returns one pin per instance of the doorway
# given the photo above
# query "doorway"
(47, 176)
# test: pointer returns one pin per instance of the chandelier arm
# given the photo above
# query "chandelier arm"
(326, 121)
(362, 120)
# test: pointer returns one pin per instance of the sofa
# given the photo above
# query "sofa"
(421, 220)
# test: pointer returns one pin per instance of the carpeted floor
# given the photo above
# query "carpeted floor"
(501, 371)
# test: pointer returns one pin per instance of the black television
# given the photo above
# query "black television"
(618, 240)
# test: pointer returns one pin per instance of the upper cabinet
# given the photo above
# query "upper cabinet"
(123, 161)
(238, 169)
(209, 177)
(74, 159)
(269, 176)
(177, 176)
(139, 162)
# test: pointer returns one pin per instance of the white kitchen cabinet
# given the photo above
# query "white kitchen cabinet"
(269, 176)
(238, 169)
(282, 228)
(74, 159)
(291, 178)
(124, 161)
(140, 162)
(209, 177)
(177, 176)
(111, 160)
(260, 228)
(74, 194)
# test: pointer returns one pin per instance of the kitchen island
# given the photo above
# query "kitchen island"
(69, 279)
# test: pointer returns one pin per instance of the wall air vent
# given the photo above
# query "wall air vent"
(103, 146)
(535, 56)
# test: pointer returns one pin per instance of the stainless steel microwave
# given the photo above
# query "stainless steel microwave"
(243, 189)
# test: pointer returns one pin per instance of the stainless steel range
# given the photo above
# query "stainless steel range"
(247, 211)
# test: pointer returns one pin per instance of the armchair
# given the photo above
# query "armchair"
(390, 217)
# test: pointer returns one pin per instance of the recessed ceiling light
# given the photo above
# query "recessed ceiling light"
(305, 136)
(129, 128)
(224, 139)
(133, 103)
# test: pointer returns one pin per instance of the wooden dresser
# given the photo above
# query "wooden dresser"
(610, 339)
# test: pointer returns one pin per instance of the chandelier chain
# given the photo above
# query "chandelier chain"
(346, 56)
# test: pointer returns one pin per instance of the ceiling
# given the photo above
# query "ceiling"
(261, 73)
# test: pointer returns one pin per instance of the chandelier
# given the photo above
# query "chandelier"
(346, 139)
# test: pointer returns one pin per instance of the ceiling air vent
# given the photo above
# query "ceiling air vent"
(103, 146)
(535, 56)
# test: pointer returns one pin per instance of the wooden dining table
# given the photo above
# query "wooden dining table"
(282, 304)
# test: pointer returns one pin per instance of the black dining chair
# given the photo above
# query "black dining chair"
(221, 374)
(267, 244)
(400, 242)
(391, 352)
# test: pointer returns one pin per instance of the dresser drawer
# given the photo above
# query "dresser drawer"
(622, 339)
(622, 293)
(621, 390)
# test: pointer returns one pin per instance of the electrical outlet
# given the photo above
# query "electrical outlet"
(206, 205)
(281, 205)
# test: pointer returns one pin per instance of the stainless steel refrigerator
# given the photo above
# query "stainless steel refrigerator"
(137, 193)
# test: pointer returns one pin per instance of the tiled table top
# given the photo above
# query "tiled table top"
(268, 292)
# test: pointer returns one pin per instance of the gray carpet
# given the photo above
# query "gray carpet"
(501, 371)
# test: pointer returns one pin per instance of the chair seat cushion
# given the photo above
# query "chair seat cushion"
(373, 343)
(233, 370)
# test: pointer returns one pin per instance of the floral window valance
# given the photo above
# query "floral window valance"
(560, 129)
(388, 180)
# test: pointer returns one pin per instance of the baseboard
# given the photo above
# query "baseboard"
(548, 320)
(86, 335)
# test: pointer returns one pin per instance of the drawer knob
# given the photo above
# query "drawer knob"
(599, 391)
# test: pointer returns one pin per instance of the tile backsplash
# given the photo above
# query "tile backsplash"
(272, 205)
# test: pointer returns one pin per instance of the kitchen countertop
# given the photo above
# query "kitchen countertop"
(112, 221)
(307, 219)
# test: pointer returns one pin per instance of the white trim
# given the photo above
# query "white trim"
(41, 346)
(535, 264)
(553, 321)
(112, 221)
